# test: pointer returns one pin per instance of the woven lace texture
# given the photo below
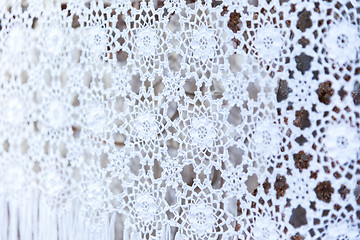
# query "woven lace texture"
(172, 119)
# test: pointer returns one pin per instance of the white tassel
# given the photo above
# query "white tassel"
(112, 227)
(13, 224)
(126, 233)
(165, 233)
(3, 217)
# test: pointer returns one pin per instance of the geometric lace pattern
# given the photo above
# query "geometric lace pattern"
(180, 119)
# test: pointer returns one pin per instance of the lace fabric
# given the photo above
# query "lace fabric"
(175, 119)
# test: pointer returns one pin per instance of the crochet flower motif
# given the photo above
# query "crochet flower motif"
(93, 193)
(146, 126)
(174, 5)
(235, 89)
(146, 207)
(341, 142)
(201, 218)
(268, 42)
(147, 42)
(146, 204)
(97, 38)
(53, 183)
(265, 229)
(57, 114)
(342, 42)
(342, 231)
(173, 86)
(202, 132)
(204, 44)
(95, 118)
(266, 135)
(118, 162)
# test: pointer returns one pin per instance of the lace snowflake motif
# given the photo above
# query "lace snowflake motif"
(171, 170)
(234, 182)
(95, 118)
(146, 126)
(57, 114)
(203, 132)
(97, 39)
(342, 231)
(53, 184)
(146, 204)
(174, 5)
(341, 142)
(235, 89)
(268, 42)
(121, 82)
(266, 135)
(118, 162)
(173, 86)
(265, 229)
(146, 208)
(93, 193)
(201, 218)
(342, 42)
(75, 155)
(204, 43)
(147, 42)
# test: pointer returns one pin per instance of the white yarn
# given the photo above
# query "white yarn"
(179, 119)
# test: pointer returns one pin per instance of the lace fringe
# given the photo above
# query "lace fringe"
(31, 220)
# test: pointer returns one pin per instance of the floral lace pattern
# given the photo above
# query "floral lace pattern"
(180, 119)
